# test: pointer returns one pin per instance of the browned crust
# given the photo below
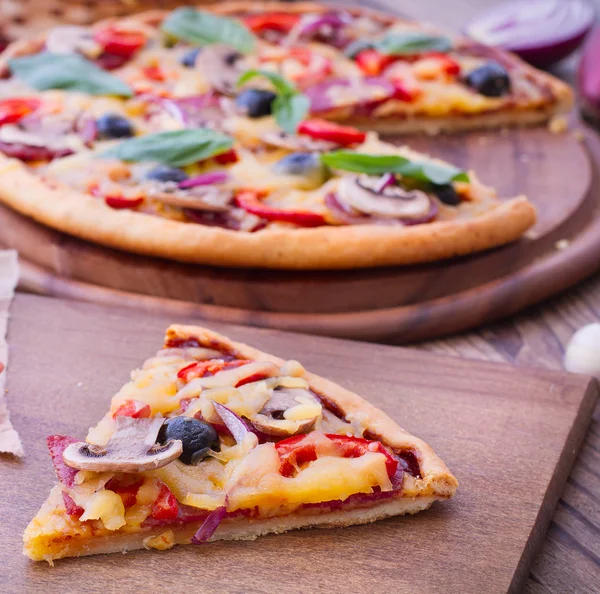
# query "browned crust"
(436, 478)
(327, 247)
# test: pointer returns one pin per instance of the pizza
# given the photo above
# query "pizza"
(215, 440)
(232, 136)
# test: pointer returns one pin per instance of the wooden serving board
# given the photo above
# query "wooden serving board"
(398, 304)
(510, 436)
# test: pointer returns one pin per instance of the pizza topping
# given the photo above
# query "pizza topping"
(72, 39)
(222, 67)
(332, 132)
(114, 125)
(30, 153)
(119, 41)
(288, 411)
(198, 438)
(297, 451)
(206, 179)
(234, 423)
(57, 444)
(134, 409)
(203, 28)
(491, 80)
(14, 109)
(175, 148)
(281, 22)
(190, 57)
(306, 166)
(345, 92)
(66, 71)
(132, 448)
(255, 103)
(165, 173)
(250, 202)
(209, 526)
(295, 142)
(372, 62)
(447, 194)
(324, 26)
(365, 194)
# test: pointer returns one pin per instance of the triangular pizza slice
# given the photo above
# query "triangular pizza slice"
(215, 440)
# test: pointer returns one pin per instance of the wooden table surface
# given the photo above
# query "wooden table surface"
(570, 557)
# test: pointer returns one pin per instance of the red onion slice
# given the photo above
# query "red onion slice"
(341, 92)
(206, 179)
(26, 152)
(387, 179)
(209, 526)
(541, 32)
(238, 427)
(312, 25)
(588, 76)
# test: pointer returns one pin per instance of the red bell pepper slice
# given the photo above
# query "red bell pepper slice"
(120, 42)
(372, 62)
(154, 73)
(134, 409)
(249, 201)
(271, 21)
(227, 157)
(120, 202)
(165, 507)
(324, 130)
(447, 64)
(207, 368)
(293, 452)
(13, 110)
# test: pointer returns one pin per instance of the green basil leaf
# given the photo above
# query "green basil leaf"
(425, 171)
(281, 84)
(176, 148)
(290, 110)
(203, 28)
(67, 71)
(410, 43)
(290, 106)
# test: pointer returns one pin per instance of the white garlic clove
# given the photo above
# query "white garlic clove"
(582, 354)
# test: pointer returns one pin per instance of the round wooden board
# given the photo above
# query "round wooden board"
(402, 304)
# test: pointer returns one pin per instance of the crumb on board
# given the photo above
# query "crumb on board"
(558, 124)
(579, 135)
(531, 234)
(562, 244)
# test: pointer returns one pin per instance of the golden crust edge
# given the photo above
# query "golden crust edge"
(436, 477)
(343, 247)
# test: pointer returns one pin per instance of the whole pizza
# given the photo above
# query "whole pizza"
(245, 134)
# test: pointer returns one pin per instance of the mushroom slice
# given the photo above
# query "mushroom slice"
(71, 39)
(132, 448)
(222, 66)
(208, 198)
(273, 419)
(362, 194)
(295, 142)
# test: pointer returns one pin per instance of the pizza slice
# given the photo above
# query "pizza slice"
(215, 440)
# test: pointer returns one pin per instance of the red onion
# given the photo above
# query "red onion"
(541, 32)
(313, 25)
(27, 152)
(372, 89)
(238, 427)
(588, 76)
(209, 525)
(387, 179)
(206, 179)
(70, 506)
(212, 219)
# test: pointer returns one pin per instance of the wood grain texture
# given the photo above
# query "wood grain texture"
(510, 436)
(396, 305)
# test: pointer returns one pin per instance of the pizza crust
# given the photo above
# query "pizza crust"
(328, 247)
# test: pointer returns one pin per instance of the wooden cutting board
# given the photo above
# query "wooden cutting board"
(509, 435)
